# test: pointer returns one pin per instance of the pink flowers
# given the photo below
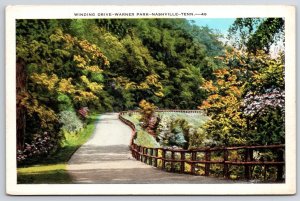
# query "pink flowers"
(84, 111)
(40, 145)
(260, 103)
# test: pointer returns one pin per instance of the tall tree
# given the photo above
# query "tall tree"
(62, 73)
(257, 33)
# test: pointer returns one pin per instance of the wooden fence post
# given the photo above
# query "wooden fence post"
(266, 167)
(138, 152)
(182, 157)
(248, 158)
(151, 154)
(280, 158)
(163, 156)
(142, 154)
(132, 150)
(193, 158)
(155, 159)
(145, 157)
(226, 168)
(207, 165)
(172, 163)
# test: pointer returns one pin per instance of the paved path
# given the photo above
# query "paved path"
(105, 158)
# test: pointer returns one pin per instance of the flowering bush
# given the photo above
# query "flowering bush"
(266, 116)
(173, 132)
(70, 121)
(147, 110)
(152, 125)
(164, 129)
(198, 138)
(149, 120)
(83, 112)
(177, 138)
(259, 104)
(40, 145)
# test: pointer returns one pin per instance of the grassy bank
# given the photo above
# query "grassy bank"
(52, 169)
(142, 137)
(195, 121)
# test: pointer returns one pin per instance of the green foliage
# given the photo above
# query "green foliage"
(180, 129)
(164, 129)
(264, 103)
(62, 73)
(177, 138)
(97, 77)
(173, 129)
(269, 32)
(272, 74)
(144, 139)
(242, 29)
(223, 105)
(257, 33)
(117, 64)
(70, 121)
(199, 138)
(147, 111)
(64, 102)
(52, 169)
(245, 100)
(270, 128)
(170, 50)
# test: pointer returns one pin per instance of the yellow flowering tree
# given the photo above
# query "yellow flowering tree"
(148, 119)
(223, 105)
(246, 100)
(61, 72)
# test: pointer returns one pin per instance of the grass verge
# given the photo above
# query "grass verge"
(142, 137)
(52, 169)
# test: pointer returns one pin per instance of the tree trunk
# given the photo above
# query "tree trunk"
(20, 114)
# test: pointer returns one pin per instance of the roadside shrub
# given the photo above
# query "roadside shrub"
(147, 110)
(41, 145)
(163, 130)
(70, 121)
(83, 112)
(152, 125)
(197, 138)
(172, 132)
(177, 138)
(149, 119)
(64, 102)
(143, 138)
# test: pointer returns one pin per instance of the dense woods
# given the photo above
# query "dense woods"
(68, 69)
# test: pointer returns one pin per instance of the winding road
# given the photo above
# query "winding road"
(105, 159)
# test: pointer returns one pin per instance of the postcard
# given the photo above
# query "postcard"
(150, 100)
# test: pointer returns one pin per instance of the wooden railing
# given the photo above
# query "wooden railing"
(130, 124)
(166, 110)
(200, 161)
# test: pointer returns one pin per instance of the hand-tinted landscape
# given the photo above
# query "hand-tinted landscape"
(201, 97)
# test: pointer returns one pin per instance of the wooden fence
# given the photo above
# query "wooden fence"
(163, 110)
(195, 161)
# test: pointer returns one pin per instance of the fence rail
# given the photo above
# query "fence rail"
(197, 160)
(165, 110)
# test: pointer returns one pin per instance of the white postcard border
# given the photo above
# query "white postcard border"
(61, 12)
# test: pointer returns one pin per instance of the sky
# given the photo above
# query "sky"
(220, 24)
(223, 24)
